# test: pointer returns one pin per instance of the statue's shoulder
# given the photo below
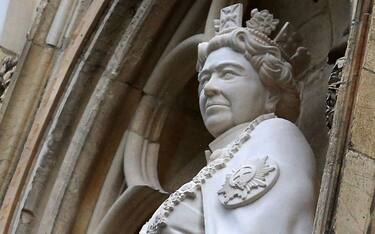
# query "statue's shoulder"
(283, 139)
(278, 124)
(281, 130)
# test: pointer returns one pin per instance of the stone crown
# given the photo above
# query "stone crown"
(261, 25)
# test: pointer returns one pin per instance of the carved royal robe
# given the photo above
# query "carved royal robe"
(285, 205)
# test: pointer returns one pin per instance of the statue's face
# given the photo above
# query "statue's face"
(230, 91)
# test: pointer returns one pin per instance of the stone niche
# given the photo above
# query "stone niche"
(324, 26)
(182, 139)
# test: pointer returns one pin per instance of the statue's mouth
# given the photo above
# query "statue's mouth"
(216, 103)
(207, 106)
(216, 108)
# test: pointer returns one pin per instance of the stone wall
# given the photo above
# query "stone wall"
(355, 201)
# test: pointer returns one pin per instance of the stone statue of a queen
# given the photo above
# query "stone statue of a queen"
(260, 172)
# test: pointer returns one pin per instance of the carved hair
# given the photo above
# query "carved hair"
(274, 72)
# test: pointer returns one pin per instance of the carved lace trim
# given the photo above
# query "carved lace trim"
(189, 189)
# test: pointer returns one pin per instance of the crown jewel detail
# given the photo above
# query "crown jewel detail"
(262, 21)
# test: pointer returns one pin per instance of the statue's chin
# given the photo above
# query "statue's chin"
(219, 123)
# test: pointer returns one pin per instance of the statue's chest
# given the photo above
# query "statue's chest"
(235, 176)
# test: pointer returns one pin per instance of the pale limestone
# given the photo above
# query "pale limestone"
(363, 124)
(355, 198)
(19, 112)
(19, 18)
(369, 60)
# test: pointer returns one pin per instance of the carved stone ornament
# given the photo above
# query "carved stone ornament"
(248, 183)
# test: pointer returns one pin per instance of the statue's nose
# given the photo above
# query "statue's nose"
(211, 88)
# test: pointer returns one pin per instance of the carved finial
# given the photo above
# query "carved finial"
(262, 21)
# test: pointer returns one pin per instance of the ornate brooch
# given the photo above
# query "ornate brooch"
(248, 183)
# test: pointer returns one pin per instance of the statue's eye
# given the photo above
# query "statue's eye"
(227, 75)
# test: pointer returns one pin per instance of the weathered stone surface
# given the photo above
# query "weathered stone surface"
(19, 17)
(309, 8)
(370, 53)
(38, 65)
(18, 113)
(45, 16)
(314, 41)
(312, 117)
(339, 11)
(329, 18)
(354, 196)
(363, 125)
(353, 212)
(370, 48)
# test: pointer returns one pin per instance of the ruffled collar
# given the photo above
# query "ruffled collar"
(231, 134)
(227, 137)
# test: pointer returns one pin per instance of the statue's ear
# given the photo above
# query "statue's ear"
(273, 97)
